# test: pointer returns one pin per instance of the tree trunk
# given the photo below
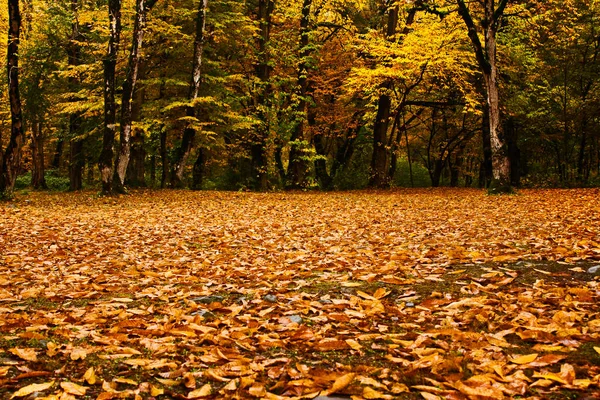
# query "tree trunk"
(105, 163)
(129, 86)
(38, 179)
(58, 153)
(75, 141)
(198, 172)
(163, 158)
(298, 166)
(76, 162)
(189, 131)
(486, 59)
(379, 160)
(11, 160)
(323, 177)
(263, 72)
(153, 170)
(136, 169)
(514, 153)
(487, 170)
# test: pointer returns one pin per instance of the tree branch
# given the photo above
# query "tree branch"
(499, 11)
(463, 11)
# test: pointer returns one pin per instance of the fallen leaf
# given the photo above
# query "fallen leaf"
(73, 388)
(34, 387)
(340, 383)
(524, 359)
(369, 393)
(25, 354)
(429, 396)
(204, 391)
(90, 376)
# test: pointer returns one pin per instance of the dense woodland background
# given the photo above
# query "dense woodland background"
(335, 94)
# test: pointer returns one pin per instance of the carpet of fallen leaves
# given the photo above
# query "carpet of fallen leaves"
(435, 294)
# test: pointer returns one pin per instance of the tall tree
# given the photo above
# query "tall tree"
(263, 73)
(486, 59)
(378, 176)
(76, 156)
(105, 162)
(189, 131)
(297, 168)
(11, 160)
(141, 9)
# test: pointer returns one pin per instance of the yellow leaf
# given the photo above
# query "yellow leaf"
(232, 385)
(4, 371)
(35, 387)
(204, 391)
(79, 354)
(597, 349)
(73, 388)
(25, 354)
(369, 393)
(52, 349)
(265, 312)
(257, 390)
(524, 359)
(354, 344)
(189, 381)
(137, 361)
(340, 383)
(155, 391)
(429, 396)
(365, 295)
(381, 293)
(90, 376)
(126, 381)
(550, 377)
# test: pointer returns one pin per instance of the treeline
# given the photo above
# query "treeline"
(267, 94)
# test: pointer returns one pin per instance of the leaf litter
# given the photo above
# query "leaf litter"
(370, 295)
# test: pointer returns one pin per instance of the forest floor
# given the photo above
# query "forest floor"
(435, 294)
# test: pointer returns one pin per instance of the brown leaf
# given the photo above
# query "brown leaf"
(25, 354)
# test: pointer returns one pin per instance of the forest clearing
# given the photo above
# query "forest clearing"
(430, 293)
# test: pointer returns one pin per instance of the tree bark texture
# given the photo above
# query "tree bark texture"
(38, 179)
(11, 161)
(263, 71)
(129, 86)
(198, 171)
(486, 58)
(76, 163)
(75, 141)
(379, 159)
(297, 168)
(189, 132)
(136, 168)
(105, 163)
